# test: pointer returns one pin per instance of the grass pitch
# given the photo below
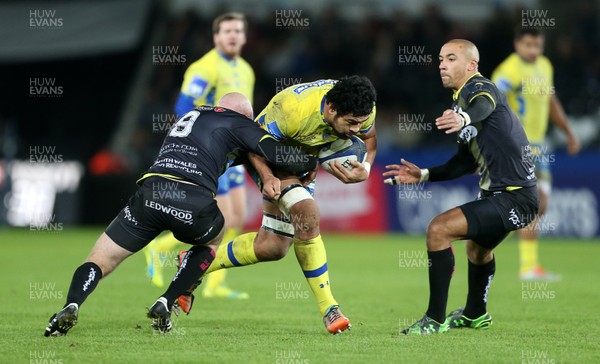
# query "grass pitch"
(381, 282)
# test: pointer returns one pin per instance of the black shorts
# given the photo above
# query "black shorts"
(189, 211)
(494, 214)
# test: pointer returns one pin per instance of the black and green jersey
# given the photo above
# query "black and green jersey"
(494, 143)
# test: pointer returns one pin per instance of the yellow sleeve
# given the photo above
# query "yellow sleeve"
(277, 118)
(506, 78)
(198, 79)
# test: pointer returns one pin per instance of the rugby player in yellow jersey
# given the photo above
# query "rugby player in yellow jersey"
(306, 116)
(220, 71)
(526, 77)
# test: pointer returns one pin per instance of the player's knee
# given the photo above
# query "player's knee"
(271, 249)
(436, 228)
(305, 218)
(437, 234)
(107, 255)
(106, 266)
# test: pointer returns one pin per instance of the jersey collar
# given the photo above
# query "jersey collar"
(226, 57)
(455, 95)
(323, 108)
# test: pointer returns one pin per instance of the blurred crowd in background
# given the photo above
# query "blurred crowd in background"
(85, 106)
(331, 47)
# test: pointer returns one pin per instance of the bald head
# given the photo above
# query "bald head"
(459, 60)
(469, 49)
(237, 102)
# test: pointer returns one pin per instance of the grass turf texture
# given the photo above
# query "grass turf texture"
(381, 282)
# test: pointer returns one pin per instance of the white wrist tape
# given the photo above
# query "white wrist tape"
(466, 118)
(367, 167)
(424, 175)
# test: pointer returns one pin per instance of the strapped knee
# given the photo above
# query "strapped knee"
(277, 225)
(290, 196)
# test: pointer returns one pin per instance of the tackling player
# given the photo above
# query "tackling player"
(526, 77)
(307, 117)
(491, 140)
(198, 148)
(220, 71)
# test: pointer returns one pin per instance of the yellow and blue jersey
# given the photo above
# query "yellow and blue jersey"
(295, 116)
(212, 76)
(528, 88)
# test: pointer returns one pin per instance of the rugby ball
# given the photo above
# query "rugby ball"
(343, 151)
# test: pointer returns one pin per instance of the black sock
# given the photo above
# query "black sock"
(441, 268)
(85, 279)
(480, 278)
(195, 263)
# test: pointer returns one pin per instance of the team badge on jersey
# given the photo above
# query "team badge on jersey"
(467, 133)
(197, 87)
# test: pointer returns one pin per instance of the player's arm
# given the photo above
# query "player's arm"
(479, 108)
(266, 154)
(197, 83)
(558, 118)
(271, 185)
(505, 80)
(462, 163)
(292, 160)
(269, 154)
(258, 141)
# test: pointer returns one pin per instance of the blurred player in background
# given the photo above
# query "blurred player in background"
(526, 77)
(491, 140)
(307, 117)
(220, 71)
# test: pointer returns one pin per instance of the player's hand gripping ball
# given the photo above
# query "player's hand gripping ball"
(343, 151)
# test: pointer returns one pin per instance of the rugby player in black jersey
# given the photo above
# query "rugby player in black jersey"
(177, 194)
(491, 141)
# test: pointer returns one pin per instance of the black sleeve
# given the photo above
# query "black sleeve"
(283, 157)
(462, 163)
(287, 158)
(480, 108)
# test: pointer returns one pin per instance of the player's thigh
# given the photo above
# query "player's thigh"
(206, 222)
(445, 228)
(277, 227)
(543, 174)
(484, 223)
(223, 195)
(225, 205)
(238, 206)
(107, 255)
(491, 218)
(544, 190)
(275, 235)
(137, 223)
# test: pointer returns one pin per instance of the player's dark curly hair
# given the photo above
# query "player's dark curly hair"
(353, 95)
